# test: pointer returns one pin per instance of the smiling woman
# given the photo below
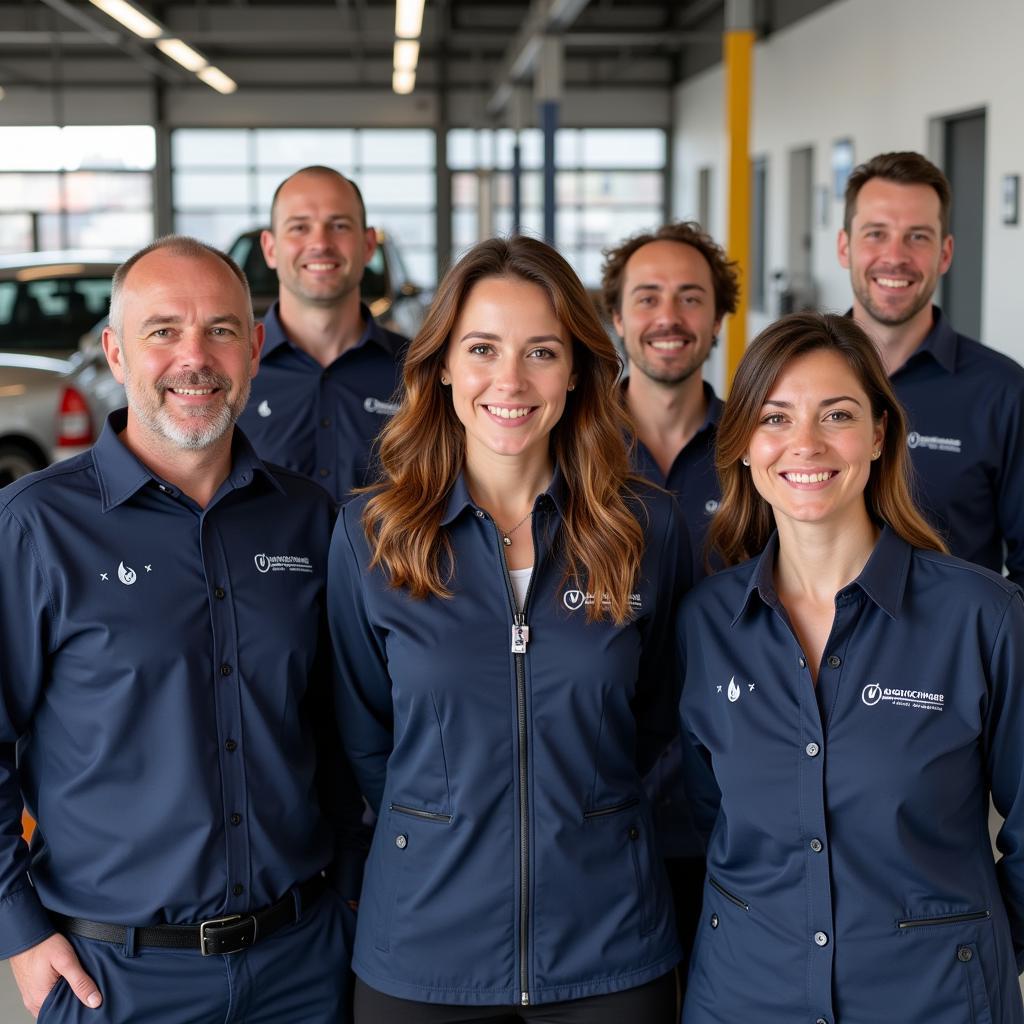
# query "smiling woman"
(500, 605)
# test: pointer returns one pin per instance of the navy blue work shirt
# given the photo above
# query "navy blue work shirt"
(322, 421)
(513, 860)
(161, 665)
(850, 873)
(965, 407)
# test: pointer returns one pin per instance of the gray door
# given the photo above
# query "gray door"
(799, 255)
(964, 160)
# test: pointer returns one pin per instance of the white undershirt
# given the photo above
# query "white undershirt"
(520, 584)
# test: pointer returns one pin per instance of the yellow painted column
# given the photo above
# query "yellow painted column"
(739, 60)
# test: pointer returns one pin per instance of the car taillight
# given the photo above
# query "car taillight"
(74, 424)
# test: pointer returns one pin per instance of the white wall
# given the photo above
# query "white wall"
(878, 72)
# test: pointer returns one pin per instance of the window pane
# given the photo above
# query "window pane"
(219, 229)
(87, 190)
(30, 149)
(621, 187)
(130, 147)
(531, 147)
(622, 147)
(464, 227)
(109, 230)
(421, 267)
(566, 226)
(291, 148)
(15, 231)
(383, 189)
(29, 192)
(470, 149)
(589, 268)
(567, 147)
(567, 187)
(209, 147)
(408, 227)
(465, 189)
(196, 190)
(396, 148)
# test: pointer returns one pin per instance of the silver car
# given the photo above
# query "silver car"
(50, 409)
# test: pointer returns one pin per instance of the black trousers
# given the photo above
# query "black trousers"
(653, 1003)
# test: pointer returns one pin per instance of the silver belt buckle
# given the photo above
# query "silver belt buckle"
(206, 924)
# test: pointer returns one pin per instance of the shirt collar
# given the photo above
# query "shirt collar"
(275, 336)
(941, 342)
(459, 499)
(121, 474)
(714, 403)
(883, 578)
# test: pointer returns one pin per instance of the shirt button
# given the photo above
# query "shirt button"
(812, 749)
(821, 938)
(219, 593)
(634, 832)
(834, 661)
(401, 841)
(325, 422)
(479, 514)
(816, 845)
(238, 889)
(230, 746)
(225, 669)
(965, 954)
(325, 472)
(714, 920)
(803, 663)
(821, 1020)
(235, 819)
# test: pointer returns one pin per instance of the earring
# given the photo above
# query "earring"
(876, 453)
(572, 387)
(745, 461)
(444, 380)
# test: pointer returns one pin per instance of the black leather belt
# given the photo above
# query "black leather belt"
(219, 935)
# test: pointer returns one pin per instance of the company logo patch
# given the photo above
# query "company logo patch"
(919, 700)
(126, 574)
(733, 690)
(574, 600)
(282, 563)
(379, 407)
(710, 507)
(264, 408)
(934, 443)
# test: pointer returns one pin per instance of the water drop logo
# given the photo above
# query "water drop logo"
(126, 574)
(734, 691)
(263, 408)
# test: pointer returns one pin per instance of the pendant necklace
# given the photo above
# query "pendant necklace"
(506, 535)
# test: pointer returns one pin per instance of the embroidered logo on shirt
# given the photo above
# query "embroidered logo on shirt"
(379, 407)
(733, 690)
(919, 700)
(710, 507)
(574, 600)
(264, 408)
(935, 444)
(282, 563)
(126, 574)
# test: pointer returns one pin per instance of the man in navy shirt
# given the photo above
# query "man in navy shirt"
(965, 402)
(329, 374)
(666, 293)
(163, 683)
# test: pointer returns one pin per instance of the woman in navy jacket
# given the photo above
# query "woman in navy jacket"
(501, 607)
(857, 693)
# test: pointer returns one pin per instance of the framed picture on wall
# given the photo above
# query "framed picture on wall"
(842, 165)
(1011, 199)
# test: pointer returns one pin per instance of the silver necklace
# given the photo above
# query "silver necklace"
(506, 535)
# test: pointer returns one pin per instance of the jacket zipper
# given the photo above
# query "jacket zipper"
(728, 895)
(416, 812)
(600, 812)
(520, 638)
(921, 922)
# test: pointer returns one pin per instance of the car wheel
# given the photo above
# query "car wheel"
(16, 461)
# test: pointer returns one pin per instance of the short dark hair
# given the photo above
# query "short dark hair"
(329, 172)
(907, 168)
(724, 272)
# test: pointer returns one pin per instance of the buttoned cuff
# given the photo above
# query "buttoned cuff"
(23, 922)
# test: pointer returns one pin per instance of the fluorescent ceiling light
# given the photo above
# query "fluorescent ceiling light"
(131, 17)
(216, 79)
(408, 18)
(178, 50)
(403, 82)
(407, 54)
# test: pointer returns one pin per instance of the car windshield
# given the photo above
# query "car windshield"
(50, 312)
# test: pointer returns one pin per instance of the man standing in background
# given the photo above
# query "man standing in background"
(964, 401)
(329, 374)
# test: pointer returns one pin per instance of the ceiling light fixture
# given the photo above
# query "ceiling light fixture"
(407, 54)
(216, 79)
(408, 18)
(178, 50)
(131, 17)
(403, 82)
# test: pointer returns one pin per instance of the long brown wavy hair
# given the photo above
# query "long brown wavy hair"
(422, 448)
(744, 520)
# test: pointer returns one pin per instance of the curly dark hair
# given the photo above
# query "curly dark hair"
(724, 272)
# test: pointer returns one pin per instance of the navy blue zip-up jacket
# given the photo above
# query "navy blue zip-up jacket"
(850, 874)
(513, 860)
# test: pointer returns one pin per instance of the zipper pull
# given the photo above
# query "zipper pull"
(524, 998)
(520, 635)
